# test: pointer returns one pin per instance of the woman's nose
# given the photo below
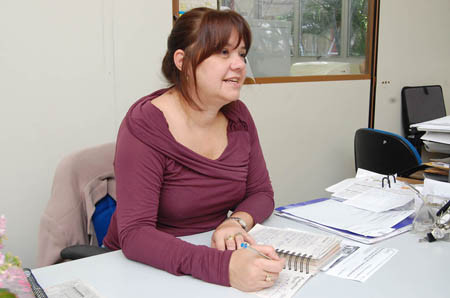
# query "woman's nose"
(238, 62)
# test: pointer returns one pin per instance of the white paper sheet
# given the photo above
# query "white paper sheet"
(355, 188)
(438, 137)
(338, 215)
(314, 244)
(347, 250)
(438, 125)
(363, 263)
(379, 200)
(354, 237)
(436, 188)
(287, 284)
(72, 289)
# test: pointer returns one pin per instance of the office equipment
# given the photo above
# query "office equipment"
(115, 276)
(82, 180)
(304, 251)
(38, 291)
(305, 254)
(385, 153)
(424, 218)
(419, 104)
(247, 246)
(347, 221)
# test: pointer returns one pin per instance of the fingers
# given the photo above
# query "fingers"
(267, 250)
(266, 280)
(218, 243)
(239, 238)
(248, 273)
(271, 277)
(249, 239)
(273, 266)
(230, 242)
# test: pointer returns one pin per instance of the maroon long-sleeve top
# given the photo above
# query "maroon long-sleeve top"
(165, 190)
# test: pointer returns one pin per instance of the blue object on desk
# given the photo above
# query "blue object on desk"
(400, 227)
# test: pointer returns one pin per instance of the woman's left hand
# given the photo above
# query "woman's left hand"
(229, 235)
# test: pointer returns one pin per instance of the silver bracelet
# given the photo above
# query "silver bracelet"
(240, 221)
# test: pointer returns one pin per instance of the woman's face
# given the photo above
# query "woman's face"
(221, 75)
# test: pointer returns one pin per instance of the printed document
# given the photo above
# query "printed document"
(346, 251)
(341, 216)
(379, 200)
(438, 125)
(353, 187)
(72, 289)
(287, 284)
(363, 263)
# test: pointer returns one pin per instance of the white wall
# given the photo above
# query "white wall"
(414, 49)
(70, 70)
(306, 131)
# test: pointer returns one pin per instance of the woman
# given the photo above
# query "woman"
(187, 155)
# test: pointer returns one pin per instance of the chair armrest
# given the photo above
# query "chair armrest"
(76, 252)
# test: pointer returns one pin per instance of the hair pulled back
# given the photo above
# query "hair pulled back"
(200, 33)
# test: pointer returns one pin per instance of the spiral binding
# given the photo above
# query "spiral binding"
(295, 259)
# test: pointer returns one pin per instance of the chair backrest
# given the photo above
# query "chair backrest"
(384, 152)
(83, 182)
(421, 103)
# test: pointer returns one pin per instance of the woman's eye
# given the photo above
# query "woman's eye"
(224, 52)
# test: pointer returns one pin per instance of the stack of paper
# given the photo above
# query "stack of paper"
(436, 125)
(361, 210)
(437, 136)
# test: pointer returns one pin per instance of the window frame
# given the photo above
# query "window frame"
(370, 61)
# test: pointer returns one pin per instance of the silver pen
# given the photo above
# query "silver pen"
(247, 246)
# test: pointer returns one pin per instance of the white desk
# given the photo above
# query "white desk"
(417, 270)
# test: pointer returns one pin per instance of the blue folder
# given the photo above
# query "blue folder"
(401, 227)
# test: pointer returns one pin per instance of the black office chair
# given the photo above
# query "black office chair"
(385, 153)
(419, 104)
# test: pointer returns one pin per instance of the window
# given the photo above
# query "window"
(297, 40)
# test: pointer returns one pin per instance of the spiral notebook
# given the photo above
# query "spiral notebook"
(305, 252)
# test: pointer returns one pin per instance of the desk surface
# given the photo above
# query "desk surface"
(417, 270)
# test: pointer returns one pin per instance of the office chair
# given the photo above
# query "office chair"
(385, 153)
(419, 104)
(80, 207)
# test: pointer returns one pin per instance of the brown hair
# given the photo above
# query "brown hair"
(200, 33)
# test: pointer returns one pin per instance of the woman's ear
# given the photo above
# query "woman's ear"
(178, 57)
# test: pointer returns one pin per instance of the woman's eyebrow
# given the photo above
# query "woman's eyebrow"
(235, 47)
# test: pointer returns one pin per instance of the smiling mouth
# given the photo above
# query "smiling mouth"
(233, 80)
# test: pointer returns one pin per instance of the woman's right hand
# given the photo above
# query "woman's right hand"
(251, 272)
